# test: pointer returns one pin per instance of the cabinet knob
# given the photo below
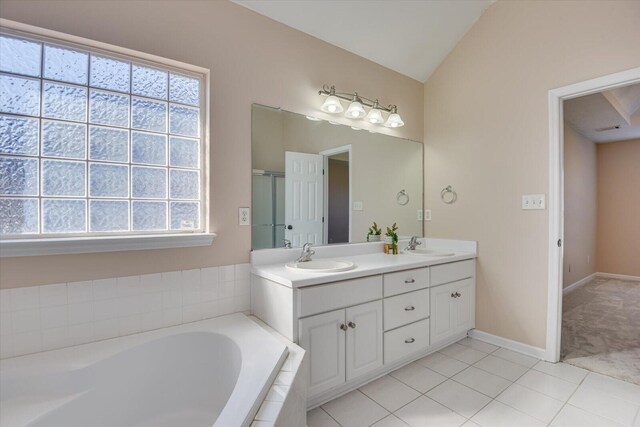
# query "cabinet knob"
(409, 281)
(409, 308)
(458, 294)
(410, 341)
(352, 325)
(453, 295)
(343, 327)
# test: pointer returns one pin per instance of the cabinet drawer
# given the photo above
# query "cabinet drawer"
(321, 298)
(451, 272)
(406, 281)
(404, 341)
(406, 308)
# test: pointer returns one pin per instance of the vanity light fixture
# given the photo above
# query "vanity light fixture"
(313, 119)
(356, 109)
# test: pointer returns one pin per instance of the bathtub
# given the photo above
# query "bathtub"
(214, 372)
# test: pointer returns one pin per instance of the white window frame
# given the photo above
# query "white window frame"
(84, 242)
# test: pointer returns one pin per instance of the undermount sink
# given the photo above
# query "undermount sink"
(429, 252)
(322, 266)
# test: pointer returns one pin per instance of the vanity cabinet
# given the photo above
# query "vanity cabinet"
(342, 344)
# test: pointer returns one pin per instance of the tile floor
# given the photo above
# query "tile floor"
(472, 383)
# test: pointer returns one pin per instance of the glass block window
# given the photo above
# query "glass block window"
(97, 143)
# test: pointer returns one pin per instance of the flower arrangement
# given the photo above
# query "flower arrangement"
(374, 233)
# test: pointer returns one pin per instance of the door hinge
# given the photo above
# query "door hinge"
(559, 243)
(322, 171)
(323, 219)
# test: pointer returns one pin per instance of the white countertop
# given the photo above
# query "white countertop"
(366, 265)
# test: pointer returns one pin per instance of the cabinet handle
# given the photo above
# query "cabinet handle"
(410, 281)
(409, 308)
(343, 327)
(410, 341)
(352, 325)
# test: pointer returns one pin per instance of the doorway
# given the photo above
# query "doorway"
(557, 194)
(338, 170)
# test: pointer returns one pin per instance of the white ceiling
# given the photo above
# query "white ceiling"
(596, 116)
(411, 37)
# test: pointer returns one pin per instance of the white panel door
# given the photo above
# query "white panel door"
(442, 309)
(364, 338)
(464, 312)
(323, 337)
(304, 195)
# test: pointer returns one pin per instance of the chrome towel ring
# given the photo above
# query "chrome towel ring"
(448, 195)
(402, 198)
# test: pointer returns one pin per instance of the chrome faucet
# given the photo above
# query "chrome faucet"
(413, 243)
(307, 253)
(286, 243)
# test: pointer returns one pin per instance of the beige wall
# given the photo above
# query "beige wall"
(619, 207)
(486, 133)
(252, 59)
(580, 219)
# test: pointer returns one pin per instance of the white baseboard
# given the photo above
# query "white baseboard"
(529, 350)
(576, 285)
(618, 276)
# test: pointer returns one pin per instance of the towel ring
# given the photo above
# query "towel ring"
(402, 198)
(448, 195)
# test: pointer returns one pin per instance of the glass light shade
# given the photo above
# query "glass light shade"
(313, 119)
(394, 121)
(375, 116)
(332, 105)
(355, 110)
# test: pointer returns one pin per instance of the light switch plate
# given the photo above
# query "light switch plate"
(244, 216)
(533, 201)
(419, 215)
(427, 214)
(358, 206)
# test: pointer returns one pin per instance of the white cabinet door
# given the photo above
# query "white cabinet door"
(364, 338)
(464, 312)
(324, 340)
(442, 312)
(304, 196)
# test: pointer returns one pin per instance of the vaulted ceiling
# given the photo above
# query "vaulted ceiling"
(411, 37)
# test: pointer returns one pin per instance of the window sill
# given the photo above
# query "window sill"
(80, 245)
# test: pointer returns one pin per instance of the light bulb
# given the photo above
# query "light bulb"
(394, 121)
(332, 105)
(375, 116)
(355, 110)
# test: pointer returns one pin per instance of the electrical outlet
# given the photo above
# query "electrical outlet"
(533, 201)
(244, 216)
(419, 215)
(358, 206)
(427, 214)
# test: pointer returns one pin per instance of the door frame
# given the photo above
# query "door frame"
(326, 154)
(556, 193)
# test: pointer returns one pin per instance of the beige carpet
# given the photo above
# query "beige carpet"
(601, 328)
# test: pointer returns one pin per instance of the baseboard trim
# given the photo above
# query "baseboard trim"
(529, 350)
(572, 287)
(618, 276)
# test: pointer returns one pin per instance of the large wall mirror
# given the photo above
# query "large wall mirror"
(321, 183)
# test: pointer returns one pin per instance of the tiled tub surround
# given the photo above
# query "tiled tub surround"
(47, 317)
(473, 383)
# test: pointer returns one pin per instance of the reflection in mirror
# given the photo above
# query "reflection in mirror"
(322, 183)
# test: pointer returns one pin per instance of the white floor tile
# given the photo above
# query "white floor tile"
(515, 357)
(563, 371)
(501, 367)
(478, 345)
(445, 365)
(390, 393)
(497, 414)
(601, 403)
(461, 399)
(464, 354)
(426, 412)
(570, 416)
(482, 381)
(390, 421)
(319, 418)
(470, 424)
(354, 410)
(616, 388)
(547, 384)
(538, 405)
(418, 377)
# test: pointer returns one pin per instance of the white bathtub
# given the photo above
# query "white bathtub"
(210, 373)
